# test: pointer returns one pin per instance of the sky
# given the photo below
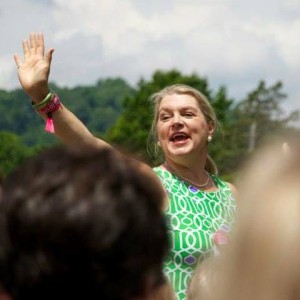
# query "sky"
(235, 43)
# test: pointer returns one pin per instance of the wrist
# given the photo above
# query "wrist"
(48, 106)
(37, 95)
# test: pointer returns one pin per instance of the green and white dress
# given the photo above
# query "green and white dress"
(194, 218)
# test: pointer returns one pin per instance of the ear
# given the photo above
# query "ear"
(211, 128)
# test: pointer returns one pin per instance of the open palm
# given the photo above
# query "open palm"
(34, 69)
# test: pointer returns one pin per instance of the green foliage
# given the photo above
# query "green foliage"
(220, 148)
(96, 106)
(12, 151)
(262, 106)
(257, 118)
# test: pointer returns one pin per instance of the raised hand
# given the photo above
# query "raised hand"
(34, 69)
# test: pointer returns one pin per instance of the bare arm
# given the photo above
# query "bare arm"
(72, 132)
(33, 73)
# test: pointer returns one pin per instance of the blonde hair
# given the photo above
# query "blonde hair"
(202, 281)
(262, 260)
(204, 104)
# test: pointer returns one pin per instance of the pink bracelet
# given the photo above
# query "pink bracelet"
(53, 105)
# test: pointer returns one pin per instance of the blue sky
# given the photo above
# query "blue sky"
(234, 43)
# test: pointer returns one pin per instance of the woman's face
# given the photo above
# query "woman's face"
(181, 126)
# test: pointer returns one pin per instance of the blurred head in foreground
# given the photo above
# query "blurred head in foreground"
(261, 260)
(81, 225)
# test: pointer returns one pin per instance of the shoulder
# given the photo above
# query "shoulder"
(222, 183)
(158, 169)
(161, 174)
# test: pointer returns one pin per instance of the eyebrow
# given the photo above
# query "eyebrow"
(181, 108)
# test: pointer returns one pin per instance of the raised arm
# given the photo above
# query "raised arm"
(33, 73)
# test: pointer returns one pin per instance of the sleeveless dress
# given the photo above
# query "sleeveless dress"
(194, 218)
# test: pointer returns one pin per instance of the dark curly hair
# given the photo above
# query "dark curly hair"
(81, 225)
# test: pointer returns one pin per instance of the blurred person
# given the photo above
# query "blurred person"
(201, 284)
(262, 260)
(200, 204)
(81, 225)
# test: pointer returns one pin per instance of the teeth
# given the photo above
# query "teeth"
(178, 135)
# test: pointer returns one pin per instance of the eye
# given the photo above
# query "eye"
(188, 114)
(164, 117)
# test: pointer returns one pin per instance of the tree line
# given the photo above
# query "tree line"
(121, 114)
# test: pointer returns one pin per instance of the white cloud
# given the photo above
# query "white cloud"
(233, 42)
(8, 70)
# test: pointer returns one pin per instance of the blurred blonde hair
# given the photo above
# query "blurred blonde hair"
(204, 104)
(201, 283)
(262, 259)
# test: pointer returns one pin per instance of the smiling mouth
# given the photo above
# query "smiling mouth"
(179, 137)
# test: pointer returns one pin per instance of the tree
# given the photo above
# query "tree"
(258, 117)
(221, 148)
(12, 151)
(97, 106)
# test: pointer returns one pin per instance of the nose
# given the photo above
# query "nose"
(177, 121)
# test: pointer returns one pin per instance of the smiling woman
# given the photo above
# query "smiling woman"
(200, 206)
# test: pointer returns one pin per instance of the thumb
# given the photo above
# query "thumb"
(17, 60)
(48, 55)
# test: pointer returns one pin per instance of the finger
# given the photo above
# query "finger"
(32, 43)
(40, 48)
(25, 46)
(48, 55)
(17, 60)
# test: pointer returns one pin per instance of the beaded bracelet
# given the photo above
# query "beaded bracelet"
(48, 106)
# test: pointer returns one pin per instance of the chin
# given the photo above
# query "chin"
(180, 152)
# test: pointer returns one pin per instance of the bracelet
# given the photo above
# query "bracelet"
(50, 105)
(44, 102)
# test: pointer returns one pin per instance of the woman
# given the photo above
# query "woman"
(201, 205)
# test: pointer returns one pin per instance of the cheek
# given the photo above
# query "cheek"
(161, 131)
(200, 127)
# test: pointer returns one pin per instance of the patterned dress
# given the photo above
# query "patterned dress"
(194, 219)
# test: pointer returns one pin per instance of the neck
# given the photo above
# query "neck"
(193, 170)
(196, 176)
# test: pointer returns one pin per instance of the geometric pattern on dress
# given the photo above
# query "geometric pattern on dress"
(193, 218)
